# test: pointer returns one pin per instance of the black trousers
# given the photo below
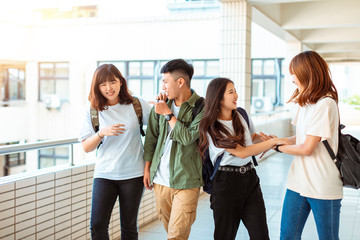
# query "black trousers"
(104, 196)
(237, 197)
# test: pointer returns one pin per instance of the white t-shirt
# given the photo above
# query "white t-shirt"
(119, 157)
(229, 159)
(162, 175)
(316, 176)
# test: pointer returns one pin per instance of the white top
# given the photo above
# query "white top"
(229, 159)
(316, 176)
(162, 175)
(119, 157)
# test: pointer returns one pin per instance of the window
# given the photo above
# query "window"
(13, 160)
(50, 157)
(204, 72)
(181, 5)
(144, 78)
(12, 83)
(54, 80)
(266, 79)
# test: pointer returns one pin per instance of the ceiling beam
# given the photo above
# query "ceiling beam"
(340, 35)
(320, 14)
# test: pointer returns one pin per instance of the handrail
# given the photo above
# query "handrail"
(15, 148)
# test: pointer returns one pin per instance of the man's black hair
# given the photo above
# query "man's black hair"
(180, 66)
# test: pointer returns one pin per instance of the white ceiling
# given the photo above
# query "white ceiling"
(330, 27)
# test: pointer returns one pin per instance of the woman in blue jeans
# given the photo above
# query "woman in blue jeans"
(314, 182)
(119, 165)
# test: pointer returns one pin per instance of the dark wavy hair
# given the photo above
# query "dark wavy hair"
(107, 73)
(314, 75)
(219, 134)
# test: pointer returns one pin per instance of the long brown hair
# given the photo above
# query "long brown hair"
(219, 134)
(314, 76)
(107, 73)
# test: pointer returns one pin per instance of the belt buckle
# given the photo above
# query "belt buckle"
(242, 169)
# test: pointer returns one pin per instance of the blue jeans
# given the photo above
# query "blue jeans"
(104, 196)
(296, 210)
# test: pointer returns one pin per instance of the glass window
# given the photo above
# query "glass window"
(47, 87)
(46, 69)
(256, 67)
(267, 79)
(144, 78)
(54, 79)
(212, 68)
(270, 88)
(269, 67)
(147, 89)
(199, 68)
(134, 86)
(62, 88)
(62, 70)
(257, 88)
(134, 69)
(12, 82)
(120, 66)
(50, 157)
(198, 86)
(148, 68)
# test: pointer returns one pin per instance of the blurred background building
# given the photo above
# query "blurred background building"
(49, 51)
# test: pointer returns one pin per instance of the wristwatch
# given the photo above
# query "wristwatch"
(169, 116)
(277, 148)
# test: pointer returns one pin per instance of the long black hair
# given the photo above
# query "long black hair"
(219, 134)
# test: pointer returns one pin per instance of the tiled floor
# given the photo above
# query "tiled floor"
(273, 175)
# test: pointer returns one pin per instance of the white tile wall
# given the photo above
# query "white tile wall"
(57, 206)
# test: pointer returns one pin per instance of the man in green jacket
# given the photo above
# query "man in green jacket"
(173, 166)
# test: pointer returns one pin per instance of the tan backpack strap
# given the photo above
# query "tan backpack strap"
(138, 110)
(94, 119)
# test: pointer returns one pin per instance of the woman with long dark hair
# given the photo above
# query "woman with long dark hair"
(119, 167)
(236, 194)
(314, 182)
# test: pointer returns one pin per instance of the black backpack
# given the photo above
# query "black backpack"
(209, 170)
(347, 159)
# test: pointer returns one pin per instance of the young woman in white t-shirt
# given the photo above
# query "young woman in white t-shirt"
(119, 165)
(314, 182)
(236, 194)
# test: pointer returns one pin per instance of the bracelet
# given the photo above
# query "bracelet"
(277, 148)
(99, 135)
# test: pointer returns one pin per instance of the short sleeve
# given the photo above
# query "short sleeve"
(146, 108)
(320, 124)
(86, 129)
(214, 152)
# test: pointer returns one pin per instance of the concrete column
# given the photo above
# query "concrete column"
(235, 58)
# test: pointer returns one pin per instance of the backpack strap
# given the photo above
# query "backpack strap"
(217, 165)
(331, 152)
(246, 117)
(138, 110)
(94, 114)
(199, 105)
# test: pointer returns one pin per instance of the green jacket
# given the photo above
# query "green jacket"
(185, 162)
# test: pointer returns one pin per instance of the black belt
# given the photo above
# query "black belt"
(241, 169)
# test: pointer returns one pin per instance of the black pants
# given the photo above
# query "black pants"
(104, 196)
(237, 197)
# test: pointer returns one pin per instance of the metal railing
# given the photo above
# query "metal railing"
(16, 148)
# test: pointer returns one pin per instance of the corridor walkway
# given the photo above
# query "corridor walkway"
(273, 175)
